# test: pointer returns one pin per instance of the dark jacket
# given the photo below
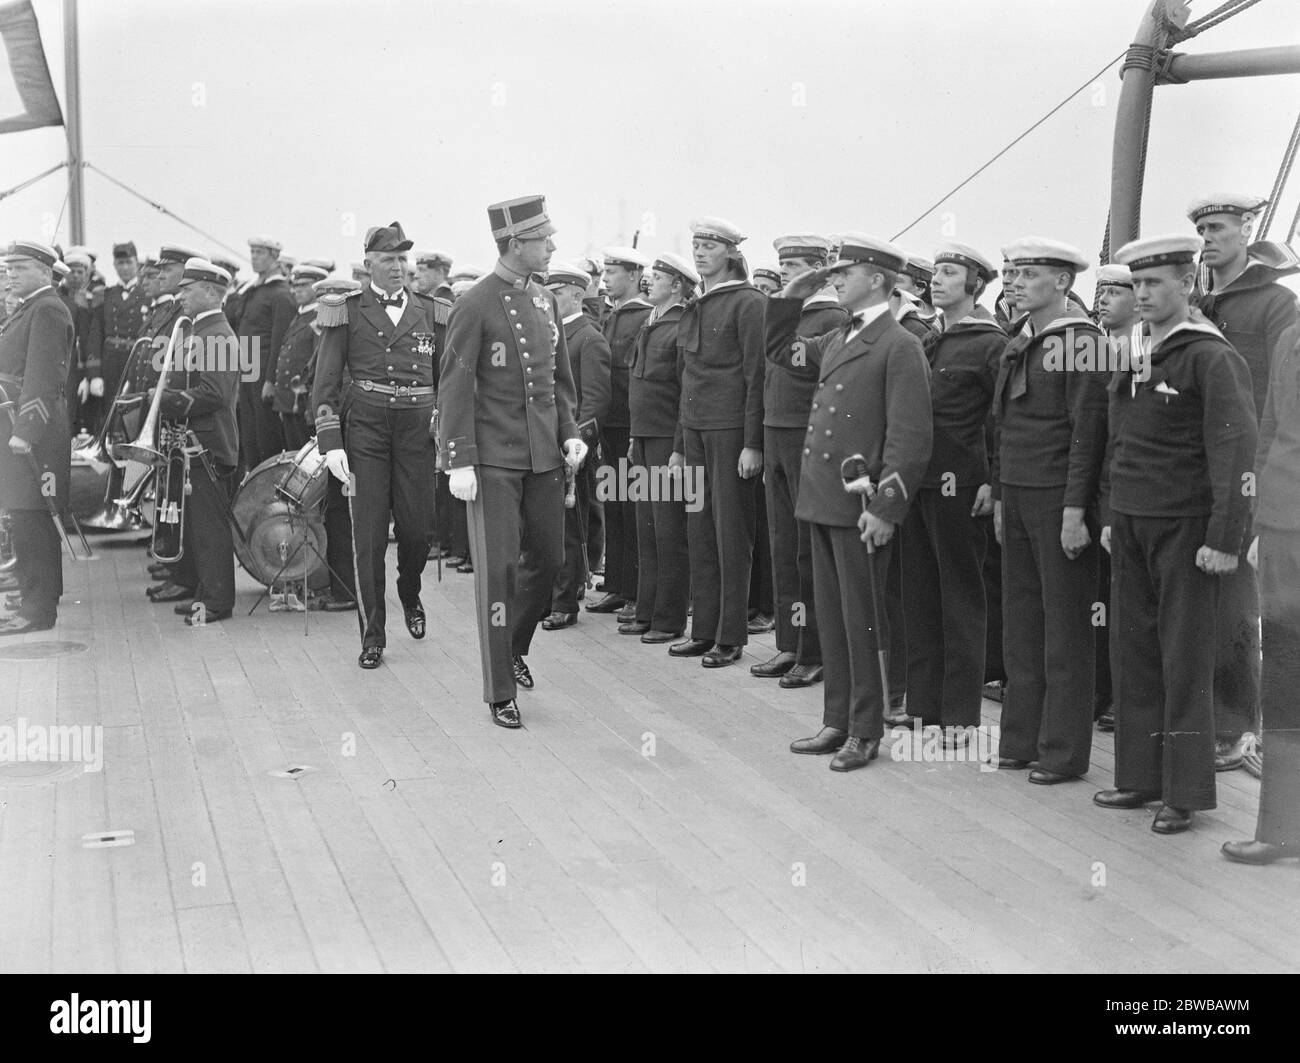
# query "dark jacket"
(720, 341)
(964, 361)
(265, 310)
(620, 329)
(157, 328)
(124, 314)
(204, 398)
(36, 344)
(506, 387)
(1277, 457)
(1050, 405)
(589, 360)
(292, 385)
(365, 347)
(1182, 441)
(655, 386)
(872, 398)
(1253, 310)
(787, 398)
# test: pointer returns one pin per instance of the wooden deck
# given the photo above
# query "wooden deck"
(429, 840)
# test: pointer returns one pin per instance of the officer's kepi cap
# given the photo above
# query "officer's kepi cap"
(817, 248)
(562, 273)
(671, 263)
(1239, 203)
(965, 255)
(1041, 251)
(714, 228)
(627, 257)
(306, 271)
(1114, 275)
(388, 237)
(524, 218)
(173, 255)
(919, 269)
(857, 248)
(21, 250)
(200, 269)
(1175, 249)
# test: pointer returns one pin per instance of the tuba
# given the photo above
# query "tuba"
(164, 449)
(116, 513)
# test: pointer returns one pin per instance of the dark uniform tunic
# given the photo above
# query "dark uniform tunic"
(203, 400)
(1182, 447)
(720, 344)
(265, 310)
(1050, 403)
(787, 402)
(942, 544)
(589, 359)
(1252, 311)
(654, 399)
(124, 314)
(872, 398)
(87, 307)
(382, 419)
(508, 405)
(620, 329)
(292, 384)
(36, 344)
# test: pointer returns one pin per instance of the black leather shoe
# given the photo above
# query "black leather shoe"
(171, 592)
(690, 648)
(1123, 798)
(897, 715)
(371, 656)
(627, 614)
(1171, 820)
(634, 627)
(855, 753)
(721, 656)
(339, 605)
(654, 638)
(20, 625)
(205, 617)
(994, 690)
(465, 566)
(183, 608)
(1012, 764)
(610, 603)
(414, 619)
(1229, 754)
(760, 624)
(1106, 721)
(802, 675)
(160, 571)
(555, 621)
(522, 675)
(827, 740)
(1043, 777)
(505, 714)
(1254, 852)
(774, 667)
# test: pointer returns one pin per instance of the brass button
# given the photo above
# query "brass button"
(832, 408)
(828, 431)
(815, 405)
(378, 333)
(806, 450)
(820, 386)
(519, 326)
(810, 428)
(513, 313)
(839, 387)
(826, 457)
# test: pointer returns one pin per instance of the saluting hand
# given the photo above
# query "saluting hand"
(806, 284)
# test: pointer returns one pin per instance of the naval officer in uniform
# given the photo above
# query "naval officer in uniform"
(507, 425)
(377, 436)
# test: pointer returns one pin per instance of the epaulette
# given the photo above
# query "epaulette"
(332, 308)
(440, 308)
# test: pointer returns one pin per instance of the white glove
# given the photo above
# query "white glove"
(97, 387)
(463, 483)
(336, 461)
(574, 451)
(83, 389)
(861, 486)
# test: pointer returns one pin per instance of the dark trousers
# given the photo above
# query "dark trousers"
(1237, 654)
(207, 564)
(596, 534)
(994, 670)
(791, 546)
(942, 548)
(1103, 695)
(1279, 591)
(853, 698)
(294, 431)
(663, 562)
(1047, 632)
(1162, 659)
(260, 434)
(390, 455)
(516, 534)
(720, 536)
(338, 542)
(572, 576)
(897, 629)
(761, 590)
(39, 552)
(620, 523)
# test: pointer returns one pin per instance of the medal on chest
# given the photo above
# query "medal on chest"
(423, 344)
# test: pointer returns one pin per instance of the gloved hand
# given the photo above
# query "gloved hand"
(83, 389)
(268, 391)
(336, 461)
(463, 483)
(97, 387)
(574, 451)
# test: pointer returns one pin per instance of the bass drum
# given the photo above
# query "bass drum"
(277, 533)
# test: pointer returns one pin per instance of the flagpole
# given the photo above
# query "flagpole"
(72, 120)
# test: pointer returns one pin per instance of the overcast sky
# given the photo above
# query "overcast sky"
(311, 120)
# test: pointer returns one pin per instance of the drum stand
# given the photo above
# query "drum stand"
(296, 513)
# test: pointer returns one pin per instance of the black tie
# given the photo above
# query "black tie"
(857, 321)
(391, 300)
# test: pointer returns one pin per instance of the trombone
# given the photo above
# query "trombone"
(117, 513)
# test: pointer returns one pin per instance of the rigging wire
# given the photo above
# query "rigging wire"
(1279, 185)
(32, 180)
